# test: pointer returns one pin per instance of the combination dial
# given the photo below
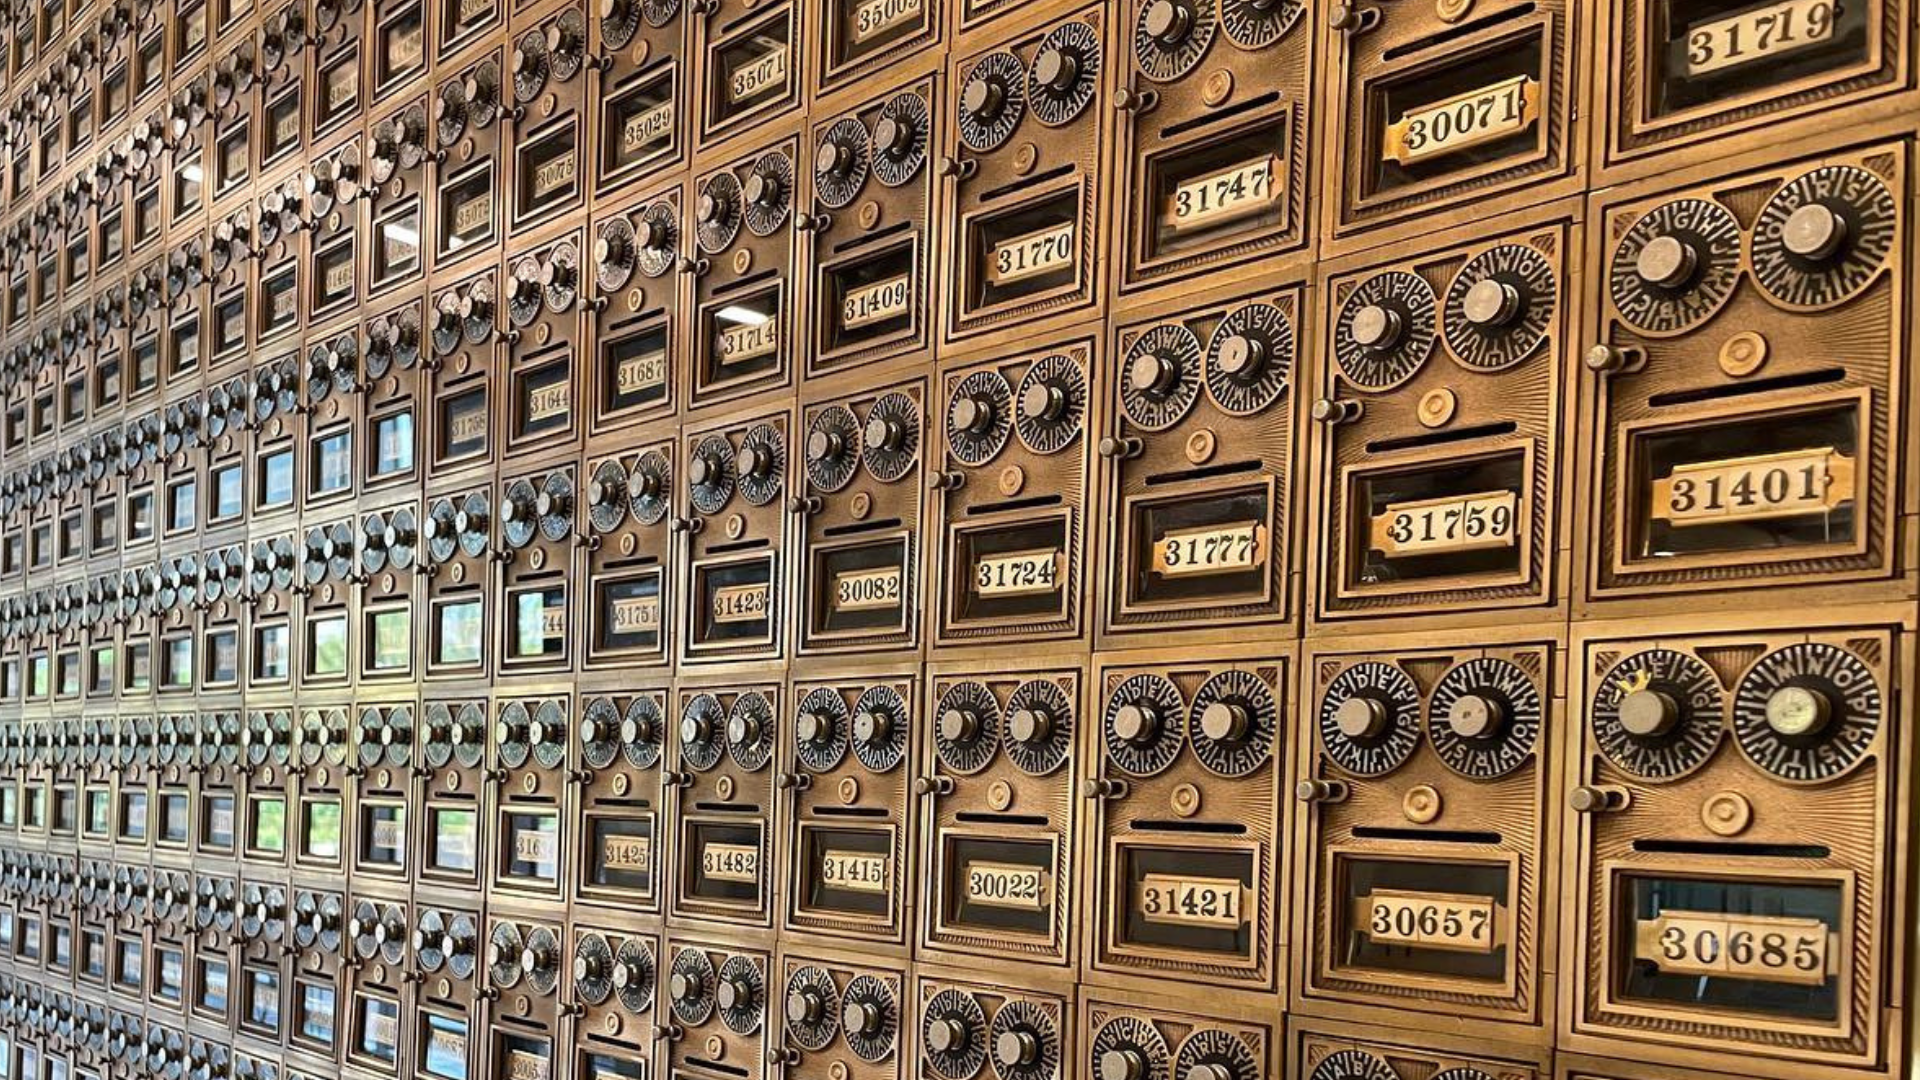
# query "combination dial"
(1370, 718)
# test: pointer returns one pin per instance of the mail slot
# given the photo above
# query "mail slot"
(997, 798)
(1734, 459)
(528, 756)
(629, 544)
(457, 560)
(637, 317)
(735, 528)
(873, 248)
(1431, 113)
(1435, 498)
(853, 816)
(728, 841)
(1423, 805)
(743, 260)
(861, 559)
(622, 800)
(848, 1015)
(544, 340)
(1013, 485)
(536, 552)
(1032, 123)
(1707, 891)
(612, 992)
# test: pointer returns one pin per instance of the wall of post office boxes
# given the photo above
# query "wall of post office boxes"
(959, 539)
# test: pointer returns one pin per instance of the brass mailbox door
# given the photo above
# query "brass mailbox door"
(622, 803)
(1424, 805)
(1432, 109)
(1189, 831)
(1013, 489)
(1441, 410)
(1029, 126)
(728, 842)
(1739, 436)
(736, 527)
(1732, 800)
(742, 259)
(875, 239)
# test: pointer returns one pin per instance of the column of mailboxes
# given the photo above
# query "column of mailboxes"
(966, 485)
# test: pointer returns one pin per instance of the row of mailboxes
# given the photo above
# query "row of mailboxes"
(1210, 104)
(1386, 853)
(1721, 456)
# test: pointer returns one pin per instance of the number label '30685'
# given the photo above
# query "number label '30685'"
(1764, 948)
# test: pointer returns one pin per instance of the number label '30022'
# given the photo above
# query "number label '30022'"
(1007, 885)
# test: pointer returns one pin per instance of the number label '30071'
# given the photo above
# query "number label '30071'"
(1475, 117)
